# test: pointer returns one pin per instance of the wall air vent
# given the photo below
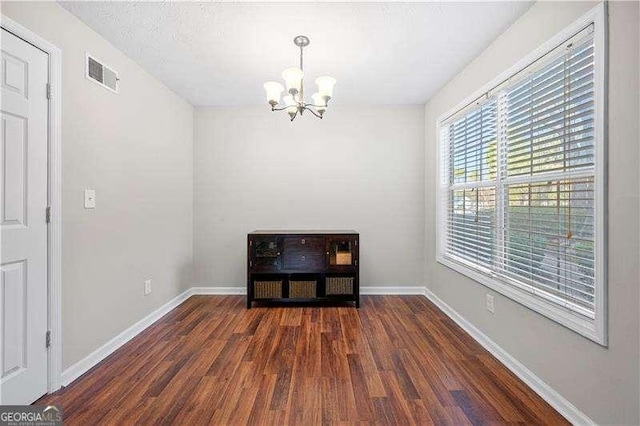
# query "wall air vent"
(101, 74)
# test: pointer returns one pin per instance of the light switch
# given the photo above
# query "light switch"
(89, 199)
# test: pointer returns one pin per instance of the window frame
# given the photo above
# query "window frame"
(594, 329)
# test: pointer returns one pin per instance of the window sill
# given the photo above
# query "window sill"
(573, 321)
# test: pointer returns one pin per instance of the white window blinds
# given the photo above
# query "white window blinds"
(518, 173)
(471, 173)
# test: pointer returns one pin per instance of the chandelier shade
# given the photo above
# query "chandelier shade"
(320, 102)
(326, 85)
(294, 101)
(274, 91)
(290, 104)
(293, 79)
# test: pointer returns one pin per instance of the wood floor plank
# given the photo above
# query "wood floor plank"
(260, 409)
(400, 411)
(396, 360)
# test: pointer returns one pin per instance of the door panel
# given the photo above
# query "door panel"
(265, 254)
(303, 253)
(14, 196)
(23, 182)
(14, 285)
(342, 253)
(15, 75)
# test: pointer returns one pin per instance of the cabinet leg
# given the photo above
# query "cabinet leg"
(358, 303)
(248, 304)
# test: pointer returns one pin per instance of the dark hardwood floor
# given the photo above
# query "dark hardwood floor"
(396, 360)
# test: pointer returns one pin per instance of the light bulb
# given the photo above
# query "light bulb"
(319, 102)
(292, 105)
(293, 79)
(274, 90)
(325, 86)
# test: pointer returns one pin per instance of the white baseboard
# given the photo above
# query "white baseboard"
(221, 291)
(557, 401)
(380, 291)
(91, 360)
(388, 290)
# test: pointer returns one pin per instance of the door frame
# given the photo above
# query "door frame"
(54, 178)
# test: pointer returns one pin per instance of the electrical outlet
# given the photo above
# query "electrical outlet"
(491, 307)
(147, 287)
(89, 199)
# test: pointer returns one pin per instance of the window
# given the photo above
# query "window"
(522, 182)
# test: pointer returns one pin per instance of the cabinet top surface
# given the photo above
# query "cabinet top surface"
(301, 232)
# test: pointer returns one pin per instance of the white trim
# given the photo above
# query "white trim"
(549, 176)
(91, 360)
(219, 291)
(539, 386)
(387, 290)
(473, 185)
(55, 196)
(599, 14)
(572, 321)
(595, 330)
(391, 290)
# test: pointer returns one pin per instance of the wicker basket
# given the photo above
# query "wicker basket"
(302, 289)
(339, 285)
(267, 289)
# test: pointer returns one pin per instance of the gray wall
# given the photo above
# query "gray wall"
(359, 168)
(602, 382)
(136, 150)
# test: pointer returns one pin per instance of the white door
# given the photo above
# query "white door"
(23, 200)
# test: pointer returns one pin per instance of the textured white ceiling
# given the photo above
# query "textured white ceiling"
(222, 53)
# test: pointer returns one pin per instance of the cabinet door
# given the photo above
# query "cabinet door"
(303, 253)
(341, 252)
(265, 253)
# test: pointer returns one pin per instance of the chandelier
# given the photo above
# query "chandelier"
(294, 102)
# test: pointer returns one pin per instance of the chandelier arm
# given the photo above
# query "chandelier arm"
(279, 109)
(313, 112)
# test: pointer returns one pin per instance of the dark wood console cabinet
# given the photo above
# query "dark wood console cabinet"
(303, 266)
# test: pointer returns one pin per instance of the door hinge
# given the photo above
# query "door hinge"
(49, 92)
(48, 214)
(48, 339)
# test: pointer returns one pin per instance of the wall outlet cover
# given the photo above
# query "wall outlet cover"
(147, 287)
(491, 307)
(89, 199)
